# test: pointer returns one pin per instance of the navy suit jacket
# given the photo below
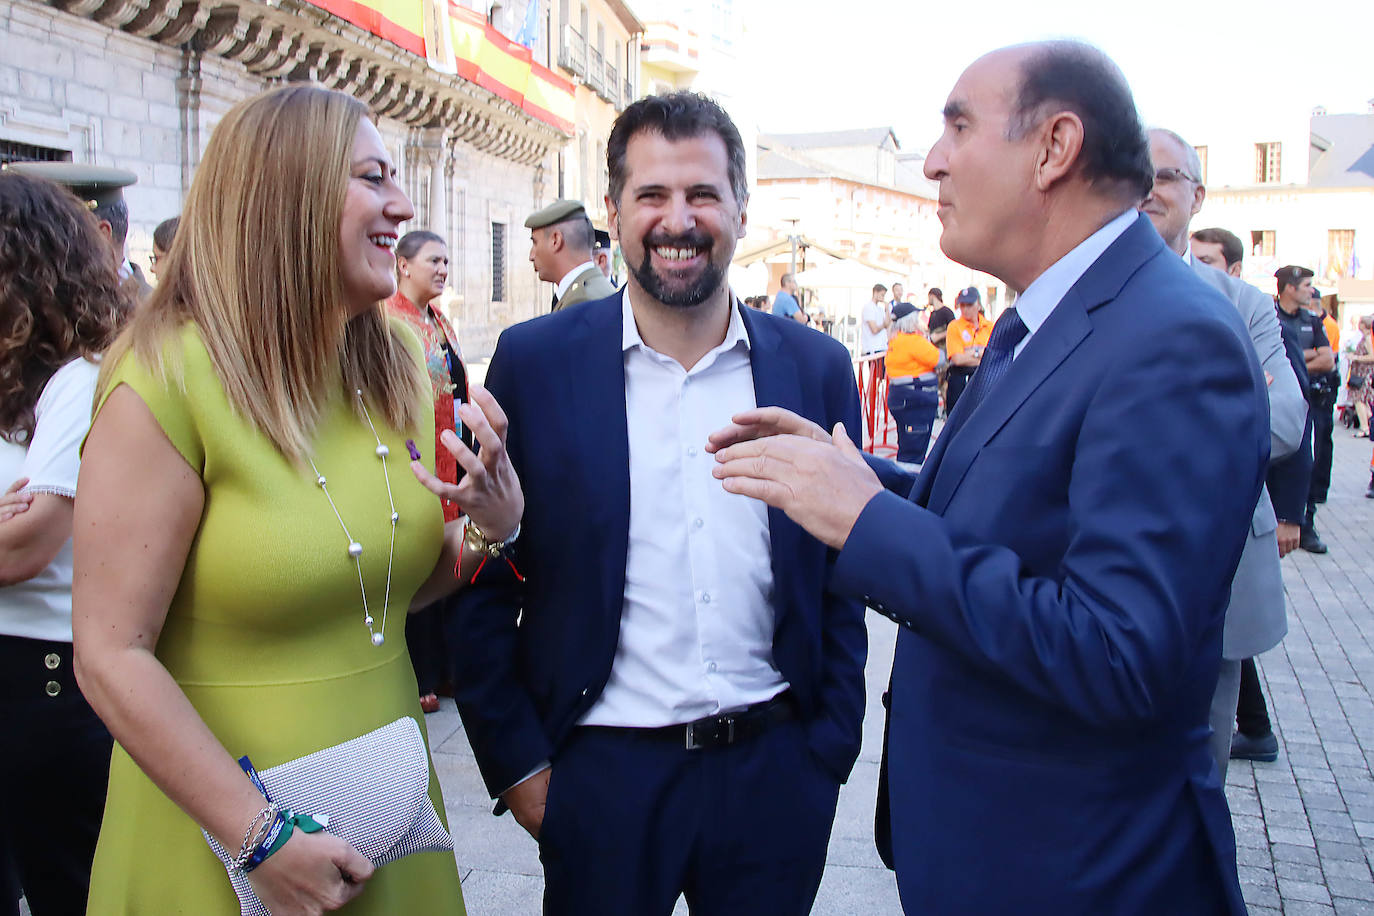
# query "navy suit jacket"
(1061, 571)
(533, 656)
(1290, 478)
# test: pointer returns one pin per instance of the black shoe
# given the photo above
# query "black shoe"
(1310, 542)
(1369, 493)
(1264, 748)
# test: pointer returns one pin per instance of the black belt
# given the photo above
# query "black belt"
(722, 730)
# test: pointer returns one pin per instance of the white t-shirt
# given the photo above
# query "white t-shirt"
(41, 608)
(869, 342)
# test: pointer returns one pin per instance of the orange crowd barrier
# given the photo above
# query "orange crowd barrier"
(879, 431)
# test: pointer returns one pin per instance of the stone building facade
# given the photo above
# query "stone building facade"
(140, 84)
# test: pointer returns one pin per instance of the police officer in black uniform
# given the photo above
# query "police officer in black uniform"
(1295, 292)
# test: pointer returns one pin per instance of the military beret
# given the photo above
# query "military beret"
(555, 212)
(1292, 274)
(97, 185)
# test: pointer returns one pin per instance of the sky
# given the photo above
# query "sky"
(1190, 65)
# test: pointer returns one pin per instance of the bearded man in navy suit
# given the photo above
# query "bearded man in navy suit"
(667, 696)
(1060, 568)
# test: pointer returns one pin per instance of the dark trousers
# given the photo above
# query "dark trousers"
(54, 769)
(913, 406)
(425, 642)
(1323, 425)
(632, 822)
(955, 383)
(1252, 716)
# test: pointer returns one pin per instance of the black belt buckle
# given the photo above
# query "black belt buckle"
(722, 731)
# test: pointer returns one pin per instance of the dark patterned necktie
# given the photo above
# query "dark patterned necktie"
(997, 355)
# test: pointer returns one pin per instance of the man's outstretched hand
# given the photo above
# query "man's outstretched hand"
(790, 463)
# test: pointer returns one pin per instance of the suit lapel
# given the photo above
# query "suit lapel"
(797, 559)
(1047, 349)
(595, 375)
(1065, 328)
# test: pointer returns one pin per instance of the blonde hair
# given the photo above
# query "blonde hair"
(255, 267)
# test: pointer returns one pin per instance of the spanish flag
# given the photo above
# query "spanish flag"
(400, 22)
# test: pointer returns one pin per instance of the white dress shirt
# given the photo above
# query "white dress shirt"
(561, 289)
(1035, 304)
(696, 628)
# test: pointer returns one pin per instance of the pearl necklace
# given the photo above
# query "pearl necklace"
(355, 549)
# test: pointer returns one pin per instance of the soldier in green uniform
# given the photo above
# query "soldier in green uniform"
(561, 248)
(101, 188)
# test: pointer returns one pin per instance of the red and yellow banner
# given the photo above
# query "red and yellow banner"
(400, 22)
(481, 54)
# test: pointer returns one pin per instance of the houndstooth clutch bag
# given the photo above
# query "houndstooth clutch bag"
(374, 790)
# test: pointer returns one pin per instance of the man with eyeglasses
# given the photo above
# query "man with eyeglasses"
(1256, 618)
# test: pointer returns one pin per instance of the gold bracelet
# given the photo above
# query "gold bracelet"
(478, 541)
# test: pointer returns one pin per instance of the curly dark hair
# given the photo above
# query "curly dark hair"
(60, 296)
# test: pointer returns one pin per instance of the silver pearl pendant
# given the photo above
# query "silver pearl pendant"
(383, 451)
(378, 639)
(367, 621)
(355, 549)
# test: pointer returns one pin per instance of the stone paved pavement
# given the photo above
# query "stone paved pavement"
(1304, 824)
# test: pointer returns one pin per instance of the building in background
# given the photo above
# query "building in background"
(1300, 191)
(597, 48)
(857, 196)
(473, 119)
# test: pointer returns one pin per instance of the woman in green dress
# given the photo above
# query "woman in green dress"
(227, 601)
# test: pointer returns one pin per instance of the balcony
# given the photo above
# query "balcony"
(595, 76)
(669, 46)
(627, 94)
(610, 86)
(572, 52)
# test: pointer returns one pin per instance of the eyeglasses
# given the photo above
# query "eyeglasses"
(1170, 176)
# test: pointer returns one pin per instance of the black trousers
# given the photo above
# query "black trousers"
(425, 642)
(1252, 716)
(1323, 425)
(633, 822)
(956, 380)
(54, 770)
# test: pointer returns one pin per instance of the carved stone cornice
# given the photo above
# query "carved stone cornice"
(294, 40)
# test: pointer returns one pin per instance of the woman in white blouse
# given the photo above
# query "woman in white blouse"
(60, 306)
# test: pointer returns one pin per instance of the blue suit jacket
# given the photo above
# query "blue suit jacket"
(1061, 571)
(532, 657)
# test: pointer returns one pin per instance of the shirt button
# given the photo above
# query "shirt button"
(692, 451)
(712, 666)
(705, 597)
(52, 688)
(51, 661)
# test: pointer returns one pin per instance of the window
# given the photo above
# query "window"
(1262, 243)
(1267, 163)
(1202, 163)
(10, 151)
(498, 262)
(1340, 252)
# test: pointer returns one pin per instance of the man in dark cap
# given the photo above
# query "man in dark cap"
(1295, 294)
(602, 254)
(965, 338)
(561, 249)
(101, 189)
